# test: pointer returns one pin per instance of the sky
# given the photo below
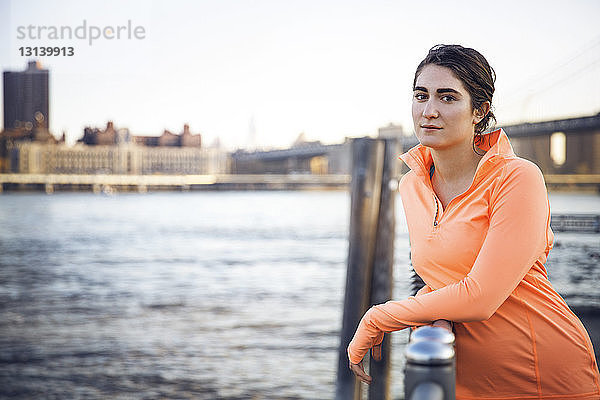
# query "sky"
(257, 74)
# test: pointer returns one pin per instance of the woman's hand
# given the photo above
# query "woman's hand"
(359, 370)
(360, 373)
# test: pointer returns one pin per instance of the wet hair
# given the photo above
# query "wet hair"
(472, 69)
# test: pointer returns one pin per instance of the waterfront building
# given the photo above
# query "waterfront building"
(108, 151)
(185, 139)
(109, 136)
(43, 158)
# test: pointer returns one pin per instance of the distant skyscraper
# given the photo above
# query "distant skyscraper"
(26, 97)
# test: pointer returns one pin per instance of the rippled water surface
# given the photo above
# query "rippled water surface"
(201, 295)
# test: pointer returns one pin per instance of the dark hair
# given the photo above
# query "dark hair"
(472, 69)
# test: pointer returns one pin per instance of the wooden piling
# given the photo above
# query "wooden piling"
(364, 208)
(383, 263)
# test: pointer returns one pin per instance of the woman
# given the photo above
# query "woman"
(479, 224)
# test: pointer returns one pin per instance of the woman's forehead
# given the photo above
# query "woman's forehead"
(433, 77)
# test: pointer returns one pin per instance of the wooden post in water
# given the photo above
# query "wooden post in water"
(383, 263)
(364, 208)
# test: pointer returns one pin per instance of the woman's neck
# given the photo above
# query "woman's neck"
(454, 168)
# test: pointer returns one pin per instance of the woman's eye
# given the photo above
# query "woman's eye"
(448, 98)
(420, 96)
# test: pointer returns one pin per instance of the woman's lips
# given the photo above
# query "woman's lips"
(430, 128)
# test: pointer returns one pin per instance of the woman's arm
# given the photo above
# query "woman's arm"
(424, 290)
(517, 237)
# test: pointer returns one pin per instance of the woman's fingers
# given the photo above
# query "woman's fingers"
(359, 370)
(376, 352)
(360, 373)
(442, 323)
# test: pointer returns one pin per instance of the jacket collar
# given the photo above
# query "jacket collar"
(494, 143)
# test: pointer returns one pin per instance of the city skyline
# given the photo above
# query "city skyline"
(330, 70)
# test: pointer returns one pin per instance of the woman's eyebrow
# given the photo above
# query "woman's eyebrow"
(440, 90)
(447, 90)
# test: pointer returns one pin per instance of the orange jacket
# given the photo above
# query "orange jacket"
(482, 259)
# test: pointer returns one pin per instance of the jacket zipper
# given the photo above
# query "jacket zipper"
(437, 210)
(437, 207)
(435, 199)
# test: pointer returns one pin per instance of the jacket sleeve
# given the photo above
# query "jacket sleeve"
(424, 290)
(517, 236)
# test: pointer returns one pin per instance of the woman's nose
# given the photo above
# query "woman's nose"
(430, 110)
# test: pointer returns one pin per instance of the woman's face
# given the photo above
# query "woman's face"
(441, 109)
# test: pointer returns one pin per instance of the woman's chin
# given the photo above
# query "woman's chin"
(433, 142)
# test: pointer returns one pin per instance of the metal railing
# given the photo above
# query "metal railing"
(430, 372)
(584, 223)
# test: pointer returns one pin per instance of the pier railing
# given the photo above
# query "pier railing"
(142, 183)
(581, 223)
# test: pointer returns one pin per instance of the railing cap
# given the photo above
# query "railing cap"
(429, 352)
(432, 333)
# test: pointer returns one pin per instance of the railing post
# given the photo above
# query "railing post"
(430, 372)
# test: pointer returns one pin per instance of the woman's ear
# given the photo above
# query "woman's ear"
(481, 112)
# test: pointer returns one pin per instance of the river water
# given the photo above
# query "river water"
(198, 295)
